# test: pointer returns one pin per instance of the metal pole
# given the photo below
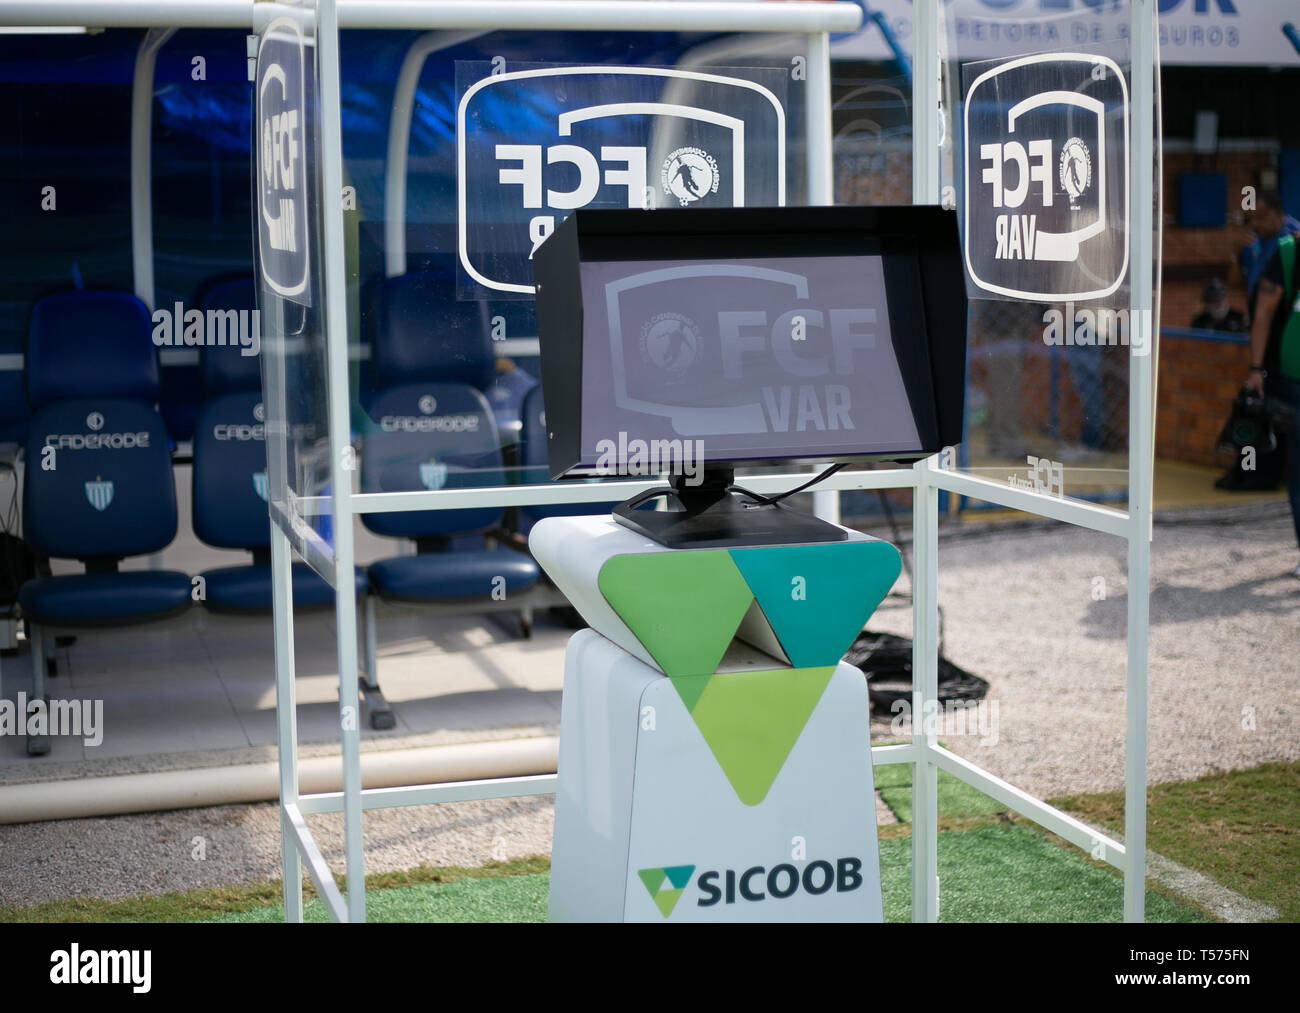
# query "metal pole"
(399, 142)
(486, 15)
(925, 697)
(146, 58)
(1141, 431)
(820, 156)
(286, 717)
(341, 453)
(925, 512)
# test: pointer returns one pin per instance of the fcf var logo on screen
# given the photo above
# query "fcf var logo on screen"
(535, 144)
(282, 149)
(1046, 178)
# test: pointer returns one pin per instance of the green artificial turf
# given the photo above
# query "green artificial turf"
(956, 798)
(203, 905)
(1241, 828)
(504, 899)
(995, 873)
(1008, 872)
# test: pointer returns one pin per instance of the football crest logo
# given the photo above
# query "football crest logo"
(1075, 170)
(99, 494)
(689, 174)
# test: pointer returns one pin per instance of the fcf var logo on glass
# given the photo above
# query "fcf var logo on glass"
(1046, 178)
(282, 151)
(535, 144)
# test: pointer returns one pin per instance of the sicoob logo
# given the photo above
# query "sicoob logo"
(1046, 177)
(667, 884)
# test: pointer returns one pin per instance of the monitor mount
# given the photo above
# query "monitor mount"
(711, 511)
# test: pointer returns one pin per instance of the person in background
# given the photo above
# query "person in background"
(1218, 314)
(1270, 224)
(1273, 368)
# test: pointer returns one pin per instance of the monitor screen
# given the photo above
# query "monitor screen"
(756, 359)
(749, 336)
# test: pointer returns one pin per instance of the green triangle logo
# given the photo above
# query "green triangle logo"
(684, 607)
(751, 720)
(666, 885)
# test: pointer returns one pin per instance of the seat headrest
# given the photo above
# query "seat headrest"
(228, 368)
(90, 344)
(420, 332)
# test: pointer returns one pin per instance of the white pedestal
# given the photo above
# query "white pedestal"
(715, 760)
(640, 790)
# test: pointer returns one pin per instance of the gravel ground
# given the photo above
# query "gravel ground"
(1038, 611)
(149, 853)
(1041, 615)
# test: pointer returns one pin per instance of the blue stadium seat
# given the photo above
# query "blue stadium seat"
(229, 477)
(230, 492)
(438, 436)
(98, 477)
(432, 428)
(230, 511)
(185, 386)
(227, 368)
(420, 331)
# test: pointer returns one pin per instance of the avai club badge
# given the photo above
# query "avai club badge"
(1046, 178)
(535, 144)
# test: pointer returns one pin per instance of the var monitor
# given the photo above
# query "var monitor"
(749, 336)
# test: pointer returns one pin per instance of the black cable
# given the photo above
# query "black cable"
(769, 500)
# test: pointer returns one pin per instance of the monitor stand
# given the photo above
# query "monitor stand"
(713, 513)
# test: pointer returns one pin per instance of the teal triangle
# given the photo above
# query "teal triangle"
(818, 597)
(679, 875)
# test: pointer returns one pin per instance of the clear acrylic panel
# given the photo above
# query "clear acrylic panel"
(1036, 134)
(535, 141)
(289, 272)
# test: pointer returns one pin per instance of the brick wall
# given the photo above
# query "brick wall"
(1193, 256)
(1198, 380)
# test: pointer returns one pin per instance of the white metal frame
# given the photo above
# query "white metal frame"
(925, 478)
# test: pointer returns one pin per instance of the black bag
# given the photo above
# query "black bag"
(886, 661)
(1256, 422)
